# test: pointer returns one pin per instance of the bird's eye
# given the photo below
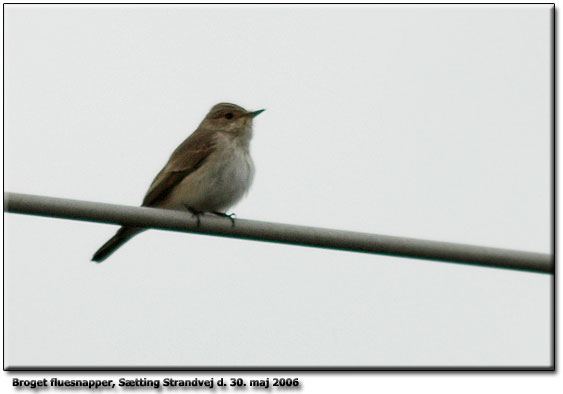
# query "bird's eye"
(229, 115)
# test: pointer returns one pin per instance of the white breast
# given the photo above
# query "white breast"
(219, 183)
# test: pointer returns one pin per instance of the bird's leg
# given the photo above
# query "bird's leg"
(195, 213)
(226, 215)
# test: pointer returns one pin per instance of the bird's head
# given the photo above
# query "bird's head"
(229, 118)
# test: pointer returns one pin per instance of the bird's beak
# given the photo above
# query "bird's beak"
(256, 113)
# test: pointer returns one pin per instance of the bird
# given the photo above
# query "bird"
(209, 172)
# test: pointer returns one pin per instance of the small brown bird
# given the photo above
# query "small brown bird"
(209, 172)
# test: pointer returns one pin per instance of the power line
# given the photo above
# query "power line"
(277, 232)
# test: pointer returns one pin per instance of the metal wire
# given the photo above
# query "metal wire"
(277, 232)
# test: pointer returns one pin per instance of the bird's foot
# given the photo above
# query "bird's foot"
(195, 213)
(226, 215)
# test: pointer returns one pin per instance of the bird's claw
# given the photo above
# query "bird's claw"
(226, 215)
(195, 213)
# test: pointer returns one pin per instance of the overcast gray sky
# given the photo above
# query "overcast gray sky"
(421, 121)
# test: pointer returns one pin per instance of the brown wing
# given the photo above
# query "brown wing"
(187, 158)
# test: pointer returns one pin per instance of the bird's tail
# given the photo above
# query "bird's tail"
(123, 235)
